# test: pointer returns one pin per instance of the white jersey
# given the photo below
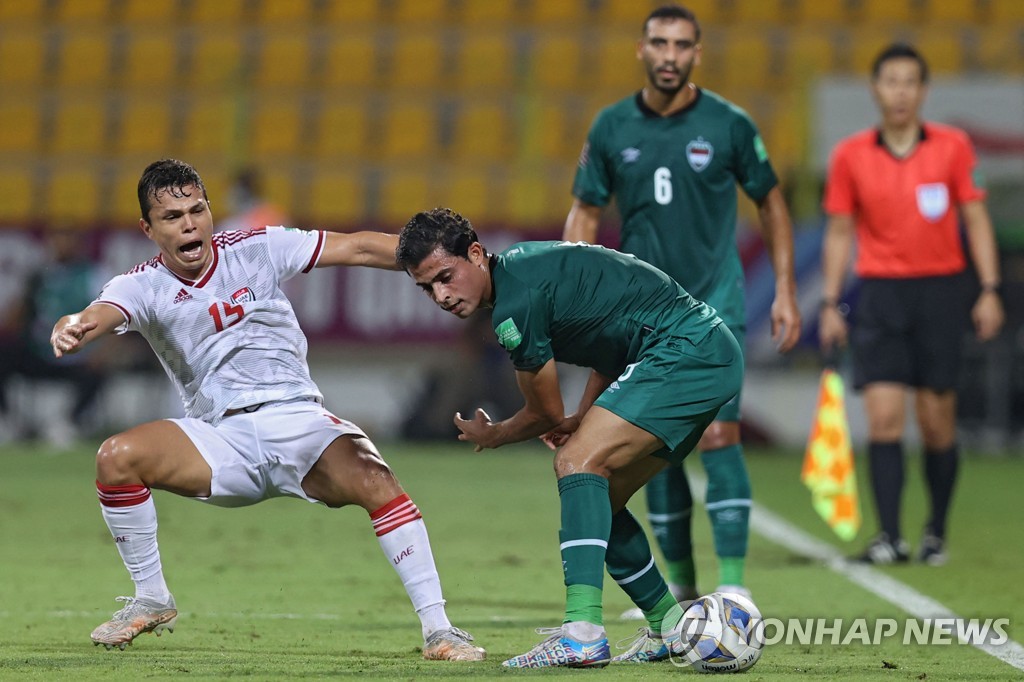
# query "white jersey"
(231, 338)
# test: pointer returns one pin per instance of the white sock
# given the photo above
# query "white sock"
(582, 631)
(131, 517)
(403, 537)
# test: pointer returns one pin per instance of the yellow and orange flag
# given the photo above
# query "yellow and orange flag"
(828, 463)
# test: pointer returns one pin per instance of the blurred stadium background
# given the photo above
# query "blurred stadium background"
(357, 113)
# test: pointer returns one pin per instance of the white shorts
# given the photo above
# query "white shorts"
(266, 453)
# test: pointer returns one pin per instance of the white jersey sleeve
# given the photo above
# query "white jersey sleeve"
(293, 250)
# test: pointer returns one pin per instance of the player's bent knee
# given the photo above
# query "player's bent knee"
(719, 435)
(116, 461)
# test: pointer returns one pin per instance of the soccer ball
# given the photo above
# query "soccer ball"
(722, 632)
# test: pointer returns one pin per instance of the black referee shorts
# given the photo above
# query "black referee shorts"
(910, 331)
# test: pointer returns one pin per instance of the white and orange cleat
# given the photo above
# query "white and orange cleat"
(452, 644)
(136, 618)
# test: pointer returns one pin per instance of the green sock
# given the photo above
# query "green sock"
(586, 525)
(728, 505)
(670, 511)
(631, 564)
(657, 614)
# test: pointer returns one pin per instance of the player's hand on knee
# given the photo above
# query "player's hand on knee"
(559, 436)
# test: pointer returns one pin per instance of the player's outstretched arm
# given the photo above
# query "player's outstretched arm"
(582, 222)
(74, 332)
(370, 249)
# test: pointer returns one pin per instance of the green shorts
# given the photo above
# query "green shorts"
(730, 412)
(677, 387)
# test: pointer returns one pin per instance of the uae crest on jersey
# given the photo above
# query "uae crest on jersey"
(699, 153)
(932, 200)
(243, 295)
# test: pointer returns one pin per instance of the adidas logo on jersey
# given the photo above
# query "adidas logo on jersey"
(182, 296)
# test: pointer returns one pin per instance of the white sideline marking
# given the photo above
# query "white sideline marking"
(774, 528)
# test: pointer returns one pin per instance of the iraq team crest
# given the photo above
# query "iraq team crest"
(699, 153)
(932, 200)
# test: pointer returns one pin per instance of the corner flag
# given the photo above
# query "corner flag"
(828, 463)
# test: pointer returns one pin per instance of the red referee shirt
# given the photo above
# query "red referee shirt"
(905, 209)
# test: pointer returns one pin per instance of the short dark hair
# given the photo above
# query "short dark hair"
(899, 51)
(428, 230)
(671, 13)
(166, 174)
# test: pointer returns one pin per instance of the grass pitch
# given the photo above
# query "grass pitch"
(286, 589)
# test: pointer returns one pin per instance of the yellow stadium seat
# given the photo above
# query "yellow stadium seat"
(557, 132)
(402, 194)
(80, 126)
(487, 12)
(273, 13)
(483, 131)
(228, 12)
(834, 12)
(1004, 12)
(616, 63)
(210, 126)
(419, 11)
(417, 60)
(20, 132)
(85, 58)
(150, 12)
(77, 12)
(341, 130)
(216, 59)
(541, 13)
(746, 61)
(145, 126)
(629, 15)
(409, 130)
(760, 11)
(337, 197)
(866, 43)
(350, 12)
(952, 11)
(889, 11)
(285, 59)
(17, 198)
(942, 48)
(1000, 49)
(468, 189)
(485, 60)
(73, 194)
(276, 128)
(125, 212)
(554, 62)
(350, 60)
(150, 59)
(21, 11)
(530, 198)
(279, 186)
(22, 57)
(807, 55)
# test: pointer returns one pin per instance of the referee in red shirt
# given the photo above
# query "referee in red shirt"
(899, 189)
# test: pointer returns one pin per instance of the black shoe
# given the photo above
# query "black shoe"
(882, 552)
(933, 550)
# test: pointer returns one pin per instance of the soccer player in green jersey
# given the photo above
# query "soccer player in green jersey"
(672, 155)
(663, 364)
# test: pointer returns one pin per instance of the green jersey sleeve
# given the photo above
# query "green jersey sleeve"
(522, 324)
(754, 170)
(594, 179)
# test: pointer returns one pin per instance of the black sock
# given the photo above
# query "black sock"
(886, 461)
(940, 469)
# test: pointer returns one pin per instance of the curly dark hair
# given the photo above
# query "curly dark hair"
(428, 230)
(168, 175)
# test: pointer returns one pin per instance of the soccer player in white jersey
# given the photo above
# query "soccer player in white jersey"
(211, 307)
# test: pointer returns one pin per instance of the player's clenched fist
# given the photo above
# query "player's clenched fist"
(66, 338)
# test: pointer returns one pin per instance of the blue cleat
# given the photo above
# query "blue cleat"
(561, 650)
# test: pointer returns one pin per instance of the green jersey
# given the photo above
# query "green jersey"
(587, 305)
(674, 179)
